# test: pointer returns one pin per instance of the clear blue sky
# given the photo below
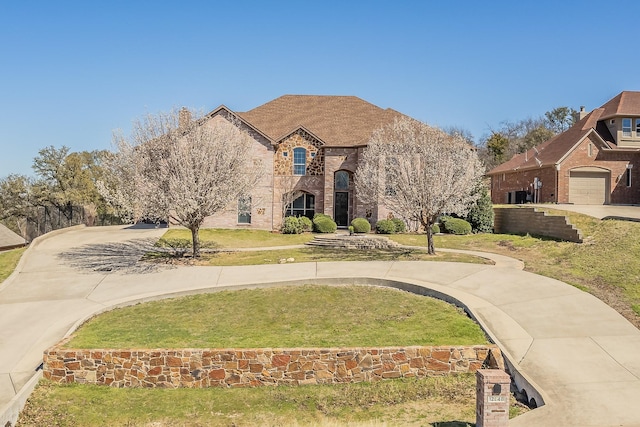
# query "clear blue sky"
(72, 72)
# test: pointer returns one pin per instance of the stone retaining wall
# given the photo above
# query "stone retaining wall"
(534, 222)
(196, 368)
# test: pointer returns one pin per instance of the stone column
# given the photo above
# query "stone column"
(492, 398)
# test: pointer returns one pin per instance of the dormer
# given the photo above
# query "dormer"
(625, 130)
(622, 118)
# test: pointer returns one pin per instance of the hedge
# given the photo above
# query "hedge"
(385, 226)
(324, 224)
(291, 225)
(456, 226)
(361, 225)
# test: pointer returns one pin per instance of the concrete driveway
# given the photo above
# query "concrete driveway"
(566, 348)
(631, 213)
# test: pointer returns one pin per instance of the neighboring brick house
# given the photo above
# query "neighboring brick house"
(596, 161)
(309, 146)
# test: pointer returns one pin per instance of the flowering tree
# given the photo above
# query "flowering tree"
(418, 172)
(176, 168)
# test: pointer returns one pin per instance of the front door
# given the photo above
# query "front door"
(341, 209)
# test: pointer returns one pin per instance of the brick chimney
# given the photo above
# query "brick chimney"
(582, 113)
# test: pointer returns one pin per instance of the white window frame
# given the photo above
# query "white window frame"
(626, 129)
(299, 167)
(244, 210)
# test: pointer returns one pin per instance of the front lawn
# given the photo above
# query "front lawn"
(302, 316)
(607, 264)
(441, 401)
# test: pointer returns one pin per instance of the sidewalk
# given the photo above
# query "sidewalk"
(567, 348)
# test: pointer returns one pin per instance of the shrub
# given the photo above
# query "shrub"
(291, 225)
(324, 224)
(320, 215)
(361, 225)
(481, 214)
(385, 226)
(457, 226)
(399, 225)
(435, 228)
(305, 223)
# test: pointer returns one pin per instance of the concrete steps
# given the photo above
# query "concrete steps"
(357, 241)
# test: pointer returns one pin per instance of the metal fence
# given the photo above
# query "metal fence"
(49, 218)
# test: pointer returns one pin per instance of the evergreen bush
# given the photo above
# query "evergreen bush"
(457, 226)
(361, 225)
(399, 225)
(291, 225)
(481, 214)
(385, 226)
(435, 229)
(306, 224)
(324, 224)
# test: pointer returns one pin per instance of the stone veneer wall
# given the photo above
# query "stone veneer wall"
(197, 368)
(538, 223)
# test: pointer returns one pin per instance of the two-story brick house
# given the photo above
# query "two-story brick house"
(309, 147)
(596, 161)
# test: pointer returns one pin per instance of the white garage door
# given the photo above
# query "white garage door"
(588, 188)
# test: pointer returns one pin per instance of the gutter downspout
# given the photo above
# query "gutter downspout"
(557, 183)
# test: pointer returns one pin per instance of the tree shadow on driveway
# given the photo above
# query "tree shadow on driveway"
(118, 257)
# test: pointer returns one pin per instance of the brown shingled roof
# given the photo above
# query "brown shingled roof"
(551, 152)
(626, 103)
(335, 120)
(9, 239)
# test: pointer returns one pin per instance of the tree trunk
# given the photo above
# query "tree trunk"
(430, 248)
(195, 237)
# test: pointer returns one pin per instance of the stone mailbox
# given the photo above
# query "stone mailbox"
(492, 398)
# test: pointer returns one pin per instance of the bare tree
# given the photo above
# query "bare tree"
(181, 169)
(419, 172)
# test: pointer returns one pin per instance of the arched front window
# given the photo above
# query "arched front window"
(304, 205)
(299, 161)
(342, 181)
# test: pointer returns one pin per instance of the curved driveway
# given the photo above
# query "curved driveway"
(565, 347)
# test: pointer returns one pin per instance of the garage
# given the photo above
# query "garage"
(589, 186)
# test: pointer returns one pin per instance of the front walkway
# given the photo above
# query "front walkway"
(579, 354)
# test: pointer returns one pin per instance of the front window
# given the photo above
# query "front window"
(626, 127)
(244, 210)
(299, 161)
(390, 171)
(638, 128)
(304, 205)
(342, 180)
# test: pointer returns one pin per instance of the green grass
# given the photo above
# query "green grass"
(311, 254)
(9, 261)
(303, 316)
(223, 238)
(607, 264)
(440, 401)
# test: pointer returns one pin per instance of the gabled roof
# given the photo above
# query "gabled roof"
(342, 121)
(554, 150)
(9, 239)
